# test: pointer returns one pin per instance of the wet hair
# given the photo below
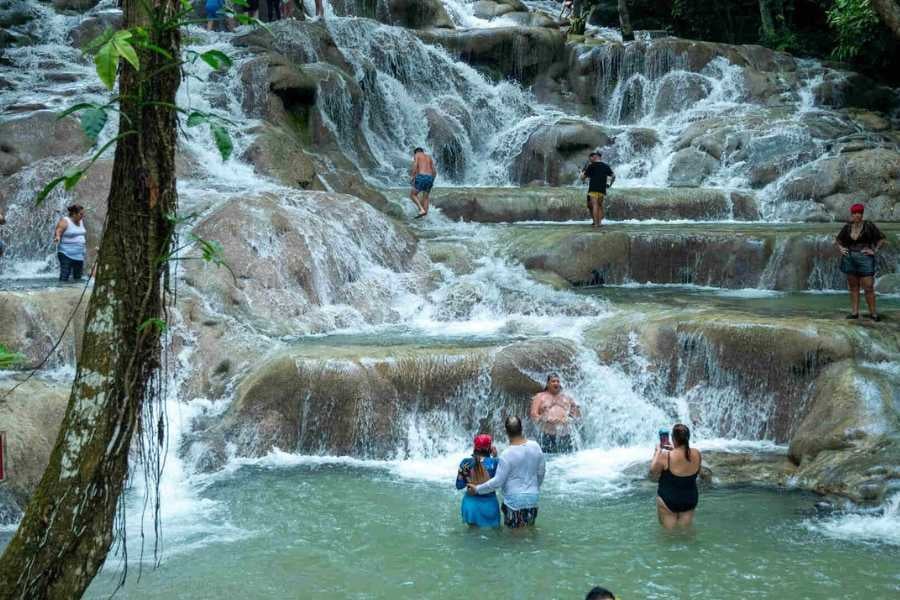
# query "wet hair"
(513, 426)
(600, 593)
(596, 153)
(549, 377)
(479, 474)
(681, 436)
(75, 209)
(418, 149)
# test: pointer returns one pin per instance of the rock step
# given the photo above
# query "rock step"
(509, 205)
(765, 256)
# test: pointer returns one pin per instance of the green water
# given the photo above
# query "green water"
(345, 532)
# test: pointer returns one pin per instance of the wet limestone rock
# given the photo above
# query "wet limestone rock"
(869, 176)
(31, 417)
(508, 205)
(690, 167)
(93, 26)
(74, 5)
(34, 320)
(521, 368)
(28, 139)
(521, 53)
(326, 275)
(555, 153)
(418, 14)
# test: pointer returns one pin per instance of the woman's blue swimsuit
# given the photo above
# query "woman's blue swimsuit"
(481, 511)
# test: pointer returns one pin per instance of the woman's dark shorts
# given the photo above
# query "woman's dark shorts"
(858, 264)
(518, 518)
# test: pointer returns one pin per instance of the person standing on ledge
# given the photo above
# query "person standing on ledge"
(859, 241)
(520, 474)
(70, 237)
(2, 245)
(601, 177)
(422, 175)
(551, 411)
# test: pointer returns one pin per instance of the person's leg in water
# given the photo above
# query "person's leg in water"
(868, 287)
(77, 269)
(685, 519)
(425, 196)
(853, 285)
(320, 8)
(667, 518)
(414, 196)
(65, 266)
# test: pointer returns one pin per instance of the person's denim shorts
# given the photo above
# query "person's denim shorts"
(858, 264)
(424, 183)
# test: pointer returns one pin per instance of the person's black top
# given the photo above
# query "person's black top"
(597, 172)
(868, 237)
(679, 493)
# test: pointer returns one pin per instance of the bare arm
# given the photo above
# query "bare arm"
(658, 464)
(415, 169)
(60, 229)
(496, 482)
(433, 168)
(535, 411)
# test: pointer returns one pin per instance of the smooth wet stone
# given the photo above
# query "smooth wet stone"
(34, 320)
(30, 417)
(719, 255)
(40, 135)
(507, 205)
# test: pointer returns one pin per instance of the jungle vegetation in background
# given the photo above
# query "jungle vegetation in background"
(858, 32)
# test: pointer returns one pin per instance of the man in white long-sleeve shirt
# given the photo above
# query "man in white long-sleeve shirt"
(519, 476)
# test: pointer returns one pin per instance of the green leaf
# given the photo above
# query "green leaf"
(242, 3)
(9, 359)
(154, 48)
(107, 61)
(216, 59)
(222, 140)
(157, 324)
(92, 46)
(196, 118)
(126, 51)
(75, 108)
(47, 189)
(72, 177)
(93, 120)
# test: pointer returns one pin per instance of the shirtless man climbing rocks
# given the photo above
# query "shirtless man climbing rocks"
(422, 174)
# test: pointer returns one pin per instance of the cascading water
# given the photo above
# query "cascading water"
(359, 261)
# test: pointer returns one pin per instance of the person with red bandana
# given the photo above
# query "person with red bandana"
(859, 242)
(479, 511)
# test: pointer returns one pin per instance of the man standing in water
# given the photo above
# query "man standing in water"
(551, 411)
(422, 174)
(601, 176)
(520, 474)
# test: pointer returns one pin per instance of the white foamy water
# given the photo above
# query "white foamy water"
(880, 525)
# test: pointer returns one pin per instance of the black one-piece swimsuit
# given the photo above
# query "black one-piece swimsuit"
(679, 493)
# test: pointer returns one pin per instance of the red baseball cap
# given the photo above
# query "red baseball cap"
(483, 442)
(857, 208)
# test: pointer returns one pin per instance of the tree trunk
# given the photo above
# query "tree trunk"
(67, 528)
(889, 11)
(625, 21)
(771, 14)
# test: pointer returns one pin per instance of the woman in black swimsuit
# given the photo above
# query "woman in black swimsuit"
(677, 469)
(859, 242)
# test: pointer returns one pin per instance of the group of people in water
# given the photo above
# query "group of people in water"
(518, 472)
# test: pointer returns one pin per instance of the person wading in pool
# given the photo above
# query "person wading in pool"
(601, 177)
(552, 411)
(422, 174)
(520, 473)
(859, 242)
(677, 470)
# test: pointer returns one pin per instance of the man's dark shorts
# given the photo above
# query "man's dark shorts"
(555, 444)
(515, 519)
(424, 183)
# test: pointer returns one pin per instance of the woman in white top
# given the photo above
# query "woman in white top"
(70, 235)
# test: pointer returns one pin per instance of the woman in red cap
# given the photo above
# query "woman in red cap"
(479, 511)
(859, 242)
